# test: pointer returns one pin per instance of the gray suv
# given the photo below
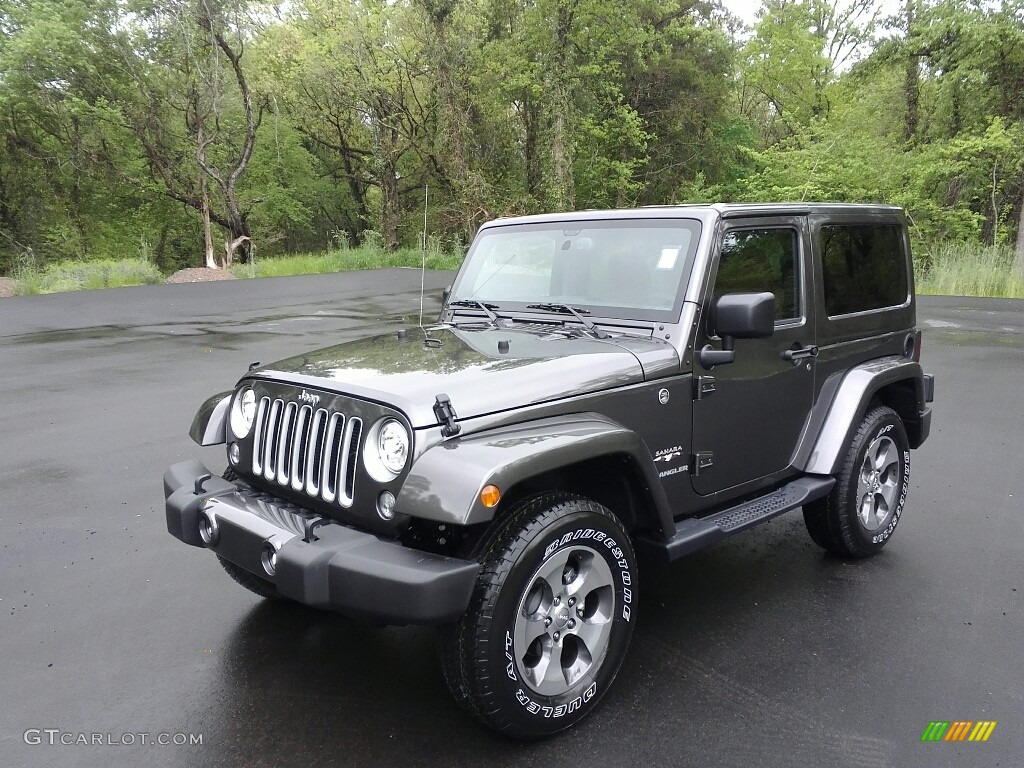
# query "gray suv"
(602, 388)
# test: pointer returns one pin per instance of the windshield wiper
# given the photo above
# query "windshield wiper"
(487, 308)
(576, 312)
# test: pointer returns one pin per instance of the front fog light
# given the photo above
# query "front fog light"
(268, 556)
(386, 505)
(243, 412)
(234, 453)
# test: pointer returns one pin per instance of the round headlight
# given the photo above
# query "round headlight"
(243, 412)
(393, 446)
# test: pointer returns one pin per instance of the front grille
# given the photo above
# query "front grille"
(307, 450)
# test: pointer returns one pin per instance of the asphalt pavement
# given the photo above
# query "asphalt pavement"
(759, 651)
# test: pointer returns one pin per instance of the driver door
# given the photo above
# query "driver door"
(748, 415)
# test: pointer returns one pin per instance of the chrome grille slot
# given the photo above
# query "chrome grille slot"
(300, 448)
(329, 484)
(260, 436)
(315, 454)
(273, 432)
(347, 468)
(308, 450)
(284, 443)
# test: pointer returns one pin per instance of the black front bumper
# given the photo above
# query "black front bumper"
(319, 562)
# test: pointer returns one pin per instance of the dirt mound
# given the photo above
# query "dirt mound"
(7, 287)
(199, 275)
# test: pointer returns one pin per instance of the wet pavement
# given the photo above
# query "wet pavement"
(759, 651)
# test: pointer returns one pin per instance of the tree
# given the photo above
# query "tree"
(196, 49)
(793, 58)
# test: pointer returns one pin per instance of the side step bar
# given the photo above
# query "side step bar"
(695, 533)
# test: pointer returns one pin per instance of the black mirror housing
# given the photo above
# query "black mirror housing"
(745, 315)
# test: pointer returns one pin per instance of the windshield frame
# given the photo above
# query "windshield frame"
(461, 287)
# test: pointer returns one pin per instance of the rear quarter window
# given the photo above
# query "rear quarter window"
(864, 266)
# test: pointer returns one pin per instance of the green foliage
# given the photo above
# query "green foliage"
(63, 276)
(970, 270)
(367, 257)
(373, 119)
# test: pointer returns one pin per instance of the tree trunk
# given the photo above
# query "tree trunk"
(241, 245)
(1019, 260)
(209, 260)
(912, 79)
(390, 207)
(466, 184)
(956, 116)
(357, 189)
(564, 194)
(534, 177)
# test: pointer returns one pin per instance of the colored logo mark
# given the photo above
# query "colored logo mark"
(958, 730)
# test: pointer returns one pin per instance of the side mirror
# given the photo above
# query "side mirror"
(739, 316)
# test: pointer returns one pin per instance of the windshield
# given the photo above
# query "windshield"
(615, 268)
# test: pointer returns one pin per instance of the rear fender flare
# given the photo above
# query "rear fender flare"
(848, 405)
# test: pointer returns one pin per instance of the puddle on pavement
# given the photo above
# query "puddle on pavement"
(988, 338)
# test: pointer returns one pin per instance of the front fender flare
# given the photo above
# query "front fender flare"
(209, 425)
(445, 482)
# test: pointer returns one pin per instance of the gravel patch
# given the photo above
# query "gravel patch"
(7, 285)
(199, 275)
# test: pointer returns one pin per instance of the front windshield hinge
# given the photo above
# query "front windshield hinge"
(446, 416)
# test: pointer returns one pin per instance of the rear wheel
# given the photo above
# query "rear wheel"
(860, 514)
(550, 618)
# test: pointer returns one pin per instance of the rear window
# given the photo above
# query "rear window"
(865, 267)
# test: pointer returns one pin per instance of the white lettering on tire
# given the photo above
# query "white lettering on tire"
(561, 710)
(879, 538)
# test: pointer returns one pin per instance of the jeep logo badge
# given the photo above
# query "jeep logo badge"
(308, 398)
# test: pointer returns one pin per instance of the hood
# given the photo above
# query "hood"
(469, 365)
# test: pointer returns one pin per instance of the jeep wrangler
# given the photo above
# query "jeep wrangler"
(599, 385)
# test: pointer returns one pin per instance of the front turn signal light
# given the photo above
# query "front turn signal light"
(490, 496)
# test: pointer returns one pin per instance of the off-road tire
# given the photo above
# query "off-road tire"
(250, 581)
(837, 522)
(521, 560)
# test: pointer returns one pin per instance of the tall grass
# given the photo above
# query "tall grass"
(957, 269)
(86, 275)
(366, 257)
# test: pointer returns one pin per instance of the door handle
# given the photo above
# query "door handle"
(794, 356)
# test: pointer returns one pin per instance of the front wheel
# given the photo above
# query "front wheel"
(550, 618)
(255, 584)
(860, 514)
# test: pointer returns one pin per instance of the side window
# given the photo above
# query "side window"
(865, 267)
(755, 260)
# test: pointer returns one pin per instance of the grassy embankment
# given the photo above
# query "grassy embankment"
(955, 270)
(344, 260)
(114, 273)
(85, 275)
(959, 270)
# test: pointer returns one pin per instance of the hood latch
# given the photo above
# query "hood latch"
(446, 416)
